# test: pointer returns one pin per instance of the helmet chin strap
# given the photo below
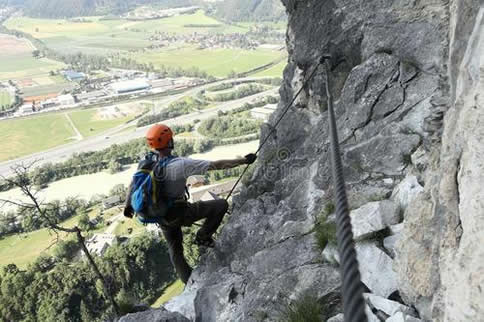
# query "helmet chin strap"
(171, 144)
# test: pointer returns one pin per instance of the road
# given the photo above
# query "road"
(116, 136)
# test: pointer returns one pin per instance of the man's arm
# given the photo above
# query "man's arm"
(228, 164)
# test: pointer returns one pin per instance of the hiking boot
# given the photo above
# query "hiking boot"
(204, 241)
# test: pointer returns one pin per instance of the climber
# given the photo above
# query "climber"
(173, 176)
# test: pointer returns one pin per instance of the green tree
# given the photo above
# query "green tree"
(84, 222)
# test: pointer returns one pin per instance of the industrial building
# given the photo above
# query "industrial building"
(65, 100)
(90, 97)
(130, 86)
(74, 76)
(26, 109)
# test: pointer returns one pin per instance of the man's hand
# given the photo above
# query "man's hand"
(250, 158)
(128, 211)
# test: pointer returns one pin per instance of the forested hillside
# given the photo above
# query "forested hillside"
(75, 8)
(250, 10)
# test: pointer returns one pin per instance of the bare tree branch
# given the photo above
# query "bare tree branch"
(24, 183)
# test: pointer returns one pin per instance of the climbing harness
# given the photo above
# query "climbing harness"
(352, 290)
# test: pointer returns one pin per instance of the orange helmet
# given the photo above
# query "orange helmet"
(159, 136)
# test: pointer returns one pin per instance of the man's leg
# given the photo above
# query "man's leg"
(174, 239)
(213, 211)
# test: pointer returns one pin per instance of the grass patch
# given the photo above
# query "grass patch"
(25, 66)
(170, 292)
(19, 137)
(89, 124)
(126, 225)
(306, 308)
(324, 229)
(23, 249)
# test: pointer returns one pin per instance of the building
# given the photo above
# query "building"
(99, 243)
(111, 202)
(223, 188)
(162, 83)
(90, 96)
(196, 181)
(26, 109)
(66, 100)
(130, 86)
(264, 112)
(74, 76)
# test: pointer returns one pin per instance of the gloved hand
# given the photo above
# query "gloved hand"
(128, 211)
(250, 158)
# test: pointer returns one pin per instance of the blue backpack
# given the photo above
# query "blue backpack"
(145, 195)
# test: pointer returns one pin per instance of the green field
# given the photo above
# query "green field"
(23, 249)
(89, 124)
(25, 66)
(25, 136)
(171, 291)
(5, 99)
(100, 36)
(54, 87)
(274, 71)
(216, 62)
(125, 224)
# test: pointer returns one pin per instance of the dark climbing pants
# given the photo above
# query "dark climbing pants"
(185, 214)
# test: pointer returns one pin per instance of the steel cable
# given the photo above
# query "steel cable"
(352, 290)
(286, 109)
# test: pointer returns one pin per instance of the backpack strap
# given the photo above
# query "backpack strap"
(163, 163)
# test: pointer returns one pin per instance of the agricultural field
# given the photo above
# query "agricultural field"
(273, 71)
(23, 249)
(98, 35)
(19, 137)
(217, 62)
(44, 85)
(17, 62)
(95, 121)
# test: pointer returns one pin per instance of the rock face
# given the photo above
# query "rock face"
(374, 217)
(409, 115)
(159, 315)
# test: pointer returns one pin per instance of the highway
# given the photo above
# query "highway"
(117, 136)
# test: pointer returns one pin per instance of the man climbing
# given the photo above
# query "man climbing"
(173, 175)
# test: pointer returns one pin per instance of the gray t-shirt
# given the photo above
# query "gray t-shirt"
(175, 175)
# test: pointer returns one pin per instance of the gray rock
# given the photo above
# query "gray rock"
(396, 229)
(331, 255)
(370, 315)
(336, 318)
(376, 269)
(387, 306)
(157, 315)
(401, 317)
(406, 191)
(420, 159)
(183, 303)
(390, 243)
(373, 217)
